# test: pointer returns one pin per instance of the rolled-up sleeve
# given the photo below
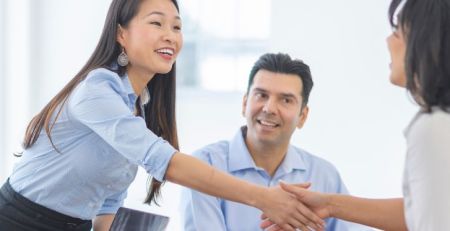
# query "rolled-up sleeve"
(100, 103)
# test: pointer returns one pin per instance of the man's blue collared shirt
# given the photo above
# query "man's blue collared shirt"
(100, 142)
(203, 212)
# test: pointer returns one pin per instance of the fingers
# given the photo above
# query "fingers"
(300, 225)
(304, 220)
(308, 218)
(294, 214)
(287, 227)
(274, 228)
(266, 223)
(305, 217)
(263, 216)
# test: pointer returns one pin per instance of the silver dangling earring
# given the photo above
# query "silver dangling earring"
(122, 60)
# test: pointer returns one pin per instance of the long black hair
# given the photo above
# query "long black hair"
(426, 27)
(159, 113)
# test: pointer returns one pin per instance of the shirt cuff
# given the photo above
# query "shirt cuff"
(157, 160)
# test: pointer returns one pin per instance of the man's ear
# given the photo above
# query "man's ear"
(303, 116)
(244, 104)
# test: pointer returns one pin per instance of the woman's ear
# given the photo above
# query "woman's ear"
(120, 35)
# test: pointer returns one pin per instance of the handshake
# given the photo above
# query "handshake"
(306, 209)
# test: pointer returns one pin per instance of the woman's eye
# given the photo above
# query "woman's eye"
(156, 23)
(177, 27)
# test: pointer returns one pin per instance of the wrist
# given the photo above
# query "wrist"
(331, 204)
(257, 197)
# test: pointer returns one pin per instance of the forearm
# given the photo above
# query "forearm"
(283, 209)
(385, 214)
(193, 173)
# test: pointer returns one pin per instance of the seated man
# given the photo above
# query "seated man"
(275, 105)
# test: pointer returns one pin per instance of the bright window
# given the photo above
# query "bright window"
(222, 41)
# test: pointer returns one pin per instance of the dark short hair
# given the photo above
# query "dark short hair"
(426, 27)
(282, 63)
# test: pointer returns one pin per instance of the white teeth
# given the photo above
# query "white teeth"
(267, 123)
(165, 51)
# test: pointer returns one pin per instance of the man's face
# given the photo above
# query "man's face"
(273, 108)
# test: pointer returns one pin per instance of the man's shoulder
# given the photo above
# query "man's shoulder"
(314, 162)
(214, 153)
(323, 174)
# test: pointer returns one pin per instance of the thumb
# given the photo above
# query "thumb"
(297, 191)
(304, 185)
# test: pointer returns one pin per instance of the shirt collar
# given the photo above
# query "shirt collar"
(128, 89)
(292, 161)
(240, 158)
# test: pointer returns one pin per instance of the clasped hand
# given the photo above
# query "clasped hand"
(305, 209)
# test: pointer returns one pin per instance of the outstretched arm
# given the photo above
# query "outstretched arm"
(280, 206)
(386, 214)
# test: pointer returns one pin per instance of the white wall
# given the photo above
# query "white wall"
(357, 116)
(46, 42)
(15, 73)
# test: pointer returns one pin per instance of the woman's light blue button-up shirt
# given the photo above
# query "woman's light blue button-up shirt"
(101, 144)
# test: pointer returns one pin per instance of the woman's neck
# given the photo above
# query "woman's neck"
(138, 79)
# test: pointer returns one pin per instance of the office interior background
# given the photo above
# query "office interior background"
(356, 116)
